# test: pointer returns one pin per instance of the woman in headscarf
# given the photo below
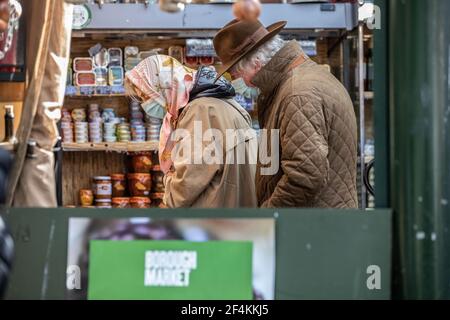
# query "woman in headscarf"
(207, 147)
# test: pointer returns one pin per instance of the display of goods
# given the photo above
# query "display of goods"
(177, 52)
(206, 61)
(135, 106)
(101, 59)
(67, 131)
(140, 202)
(115, 57)
(86, 197)
(101, 76)
(95, 116)
(138, 133)
(79, 115)
(153, 132)
(66, 116)
(115, 76)
(199, 48)
(81, 132)
(85, 78)
(142, 163)
(157, 179)
(192, 61)
(123, 132)
(121, 202)
(83, 64)
(139, 184)
(102, 187)
(131, 52)
(136, 112)
(103, 203)
(119, 185)
(109, 132)
(108, 115)
(130, 63)
(95, 132)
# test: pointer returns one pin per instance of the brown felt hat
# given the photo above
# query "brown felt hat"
(239, 38)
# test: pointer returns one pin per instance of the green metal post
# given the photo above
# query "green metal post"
(419, 102)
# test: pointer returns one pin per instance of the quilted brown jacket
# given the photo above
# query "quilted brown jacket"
(317, 135)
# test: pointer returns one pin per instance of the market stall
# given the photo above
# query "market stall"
(103, 50)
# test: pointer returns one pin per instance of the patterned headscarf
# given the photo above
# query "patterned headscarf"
(164, 80)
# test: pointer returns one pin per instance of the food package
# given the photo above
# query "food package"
(130, 63)
(101, 59)
(83, 64)
(101, 76)
(115, 76)
(131, 52)
(177, 53)
(115, 57)
(85, 78)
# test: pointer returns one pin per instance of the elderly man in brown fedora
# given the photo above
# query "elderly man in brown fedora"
(309, 107)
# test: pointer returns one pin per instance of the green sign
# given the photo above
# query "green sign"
(164, 270)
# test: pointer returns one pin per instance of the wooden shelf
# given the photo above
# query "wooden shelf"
(95, 95)
(121, 147)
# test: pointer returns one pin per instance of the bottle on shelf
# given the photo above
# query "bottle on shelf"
(9, 124)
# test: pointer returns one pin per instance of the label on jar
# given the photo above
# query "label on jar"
(103, 189)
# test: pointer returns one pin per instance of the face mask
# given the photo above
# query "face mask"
(154, 109)
(241, 88)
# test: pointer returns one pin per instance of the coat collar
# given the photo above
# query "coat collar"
(269, 77)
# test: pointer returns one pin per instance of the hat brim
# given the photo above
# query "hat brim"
(273, 29)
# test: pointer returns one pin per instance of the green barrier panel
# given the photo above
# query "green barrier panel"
(320, 254)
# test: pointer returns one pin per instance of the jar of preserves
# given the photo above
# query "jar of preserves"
(139, 184)
(103, 203)
(157, 179)
(140, 202)
(157, 199)
(86, 197)
(121, 203)
(102, 187)
(119, 185)
(142, 163)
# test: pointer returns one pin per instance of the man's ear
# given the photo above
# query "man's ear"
(257, 64)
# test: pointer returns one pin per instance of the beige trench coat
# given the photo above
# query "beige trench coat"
(227, 184)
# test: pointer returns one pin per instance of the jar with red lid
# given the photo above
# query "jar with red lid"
(157, 179)
(86, 197)
(140, 202)
(103, 203)
(121, 203)
(142, 162)
(119, 185)
(139, 184)
(102, 187)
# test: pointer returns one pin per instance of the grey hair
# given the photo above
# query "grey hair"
(263, 54)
